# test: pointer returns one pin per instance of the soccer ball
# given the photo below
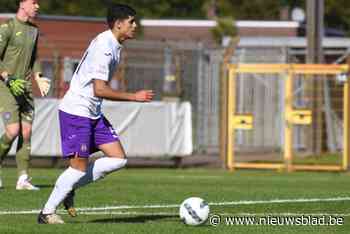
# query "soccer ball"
(194, 211)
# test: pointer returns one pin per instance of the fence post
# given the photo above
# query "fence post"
(346, 119)
(224, 87)
(288, 126)
(231, 103)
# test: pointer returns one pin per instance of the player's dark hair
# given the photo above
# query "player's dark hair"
(119, 12)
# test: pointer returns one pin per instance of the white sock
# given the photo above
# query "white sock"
(63, 186)
(100, 168)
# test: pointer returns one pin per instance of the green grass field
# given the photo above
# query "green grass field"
(121, 201)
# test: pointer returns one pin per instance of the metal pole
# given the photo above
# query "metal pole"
(315, 12)
(315, 31)
(288, 128)
(231, 103)
(346, 124)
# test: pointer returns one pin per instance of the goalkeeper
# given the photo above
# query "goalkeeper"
(18, 50)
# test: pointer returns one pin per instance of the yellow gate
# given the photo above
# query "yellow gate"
(292, 116)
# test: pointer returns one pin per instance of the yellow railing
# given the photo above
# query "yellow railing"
(291, 116)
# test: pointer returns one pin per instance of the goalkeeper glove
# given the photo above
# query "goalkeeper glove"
(15, 85)
(43, 84)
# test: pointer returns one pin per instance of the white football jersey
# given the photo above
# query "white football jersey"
(98, 62)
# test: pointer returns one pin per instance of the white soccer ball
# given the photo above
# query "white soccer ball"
(194, 211)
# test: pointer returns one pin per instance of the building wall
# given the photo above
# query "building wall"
(204, 34)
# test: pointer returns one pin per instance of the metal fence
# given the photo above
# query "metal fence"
(195, 72)
(263, 96)
(186, 71)
(287, 123)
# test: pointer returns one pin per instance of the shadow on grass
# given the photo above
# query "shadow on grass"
(45, 185)
(40, 186)
(135, 219)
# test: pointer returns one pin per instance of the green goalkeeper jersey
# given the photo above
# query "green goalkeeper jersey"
(18, 48)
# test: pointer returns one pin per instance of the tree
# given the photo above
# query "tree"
(249, 10)
(8, 6)
(337, 12)
(225, 28)
(146, 8)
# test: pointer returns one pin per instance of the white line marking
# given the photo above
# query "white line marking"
(129, 213)
(20, 212)
(195, 177)
(222, 214)
(289, 214)
(126, 207)
(299, 200)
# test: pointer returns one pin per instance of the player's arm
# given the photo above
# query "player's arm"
(43, 83)
(15, 85)
(5, 33)
(103, 90)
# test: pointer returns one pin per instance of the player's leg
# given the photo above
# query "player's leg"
(115, 159)
(76, 140)
(9, 111)
(26, 104)
(97, 170)
(65, 182)
(10, 116)
(63, 186)
(22, 158)
(108, 142)
(11, 131)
